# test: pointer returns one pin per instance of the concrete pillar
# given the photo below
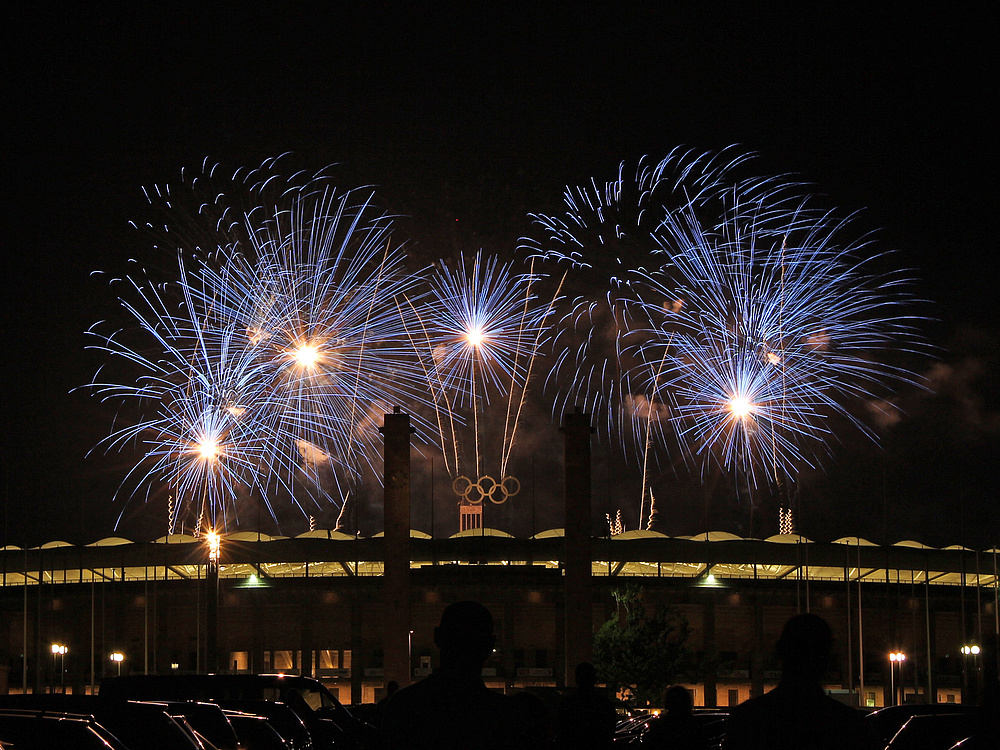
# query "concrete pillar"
(306, 643)
(259, 599)
(932, 649)
(396, 435)
(564, 675)
(758, 654)
(579, 618)
(41, 656)
(212, 619)
(708, 625)
(507, 647)
(357, 655)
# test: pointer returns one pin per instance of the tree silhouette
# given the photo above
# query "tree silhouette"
(637, 653)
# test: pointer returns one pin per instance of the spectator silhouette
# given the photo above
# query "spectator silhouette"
(676, 728)
(390, 689)
(452, 709)
(797, 714)
(533, 712)
(586, 717)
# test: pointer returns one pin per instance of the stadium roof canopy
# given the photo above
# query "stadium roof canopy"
(705, 558)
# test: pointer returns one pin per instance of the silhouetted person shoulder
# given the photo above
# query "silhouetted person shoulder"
(586, 717)
(532, 712)
(390, 690)
(798, 714)
(452, 709)
(676, 728)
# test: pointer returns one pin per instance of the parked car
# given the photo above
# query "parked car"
(329, 722)
(987, 740)
(282, 719)
(26, 729)
(886, 722)
(631, 732)
(938, 731)
(135, 725)
(256, 732)
(207, 719)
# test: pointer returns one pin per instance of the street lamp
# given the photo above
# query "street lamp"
(973, 683)
(896, 658)
(58, 650)
(213, 541)
(118, 657)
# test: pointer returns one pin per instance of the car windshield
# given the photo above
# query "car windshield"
(317, 699)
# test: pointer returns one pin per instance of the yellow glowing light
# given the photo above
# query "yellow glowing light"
(475, 337)
(740, 407)
(213, 540)
(773, 358)
(307, 356)
(118, 657)
(208, 449)
(897, 656)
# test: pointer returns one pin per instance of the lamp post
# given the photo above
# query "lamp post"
(896, 659)
(118, 657)
(60, 651)
(212, 627)
(971, 682)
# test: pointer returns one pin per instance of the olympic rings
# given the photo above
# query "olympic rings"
(486, 487)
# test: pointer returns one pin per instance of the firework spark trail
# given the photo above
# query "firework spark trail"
(775, 335)
(716, 288)
(326, 323)
(483, 325)
(723, 314)
(289, 327)
(509, 425)
(438, 393)
(607, 241)
(536, 346)
(190, 427)
(648, 447)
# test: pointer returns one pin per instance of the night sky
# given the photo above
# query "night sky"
(466, 123)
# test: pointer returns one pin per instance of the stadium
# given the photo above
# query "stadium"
(357, 612)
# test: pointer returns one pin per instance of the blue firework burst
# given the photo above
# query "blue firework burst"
(481, 328)
(267, 363)
(726, 317)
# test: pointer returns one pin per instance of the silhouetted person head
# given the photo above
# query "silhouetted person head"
(677, 700)
(804, 648)
(586, 675)
(465, 636)
(391, 687)
(586, 719)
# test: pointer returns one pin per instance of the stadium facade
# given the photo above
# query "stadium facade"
(357, 612)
